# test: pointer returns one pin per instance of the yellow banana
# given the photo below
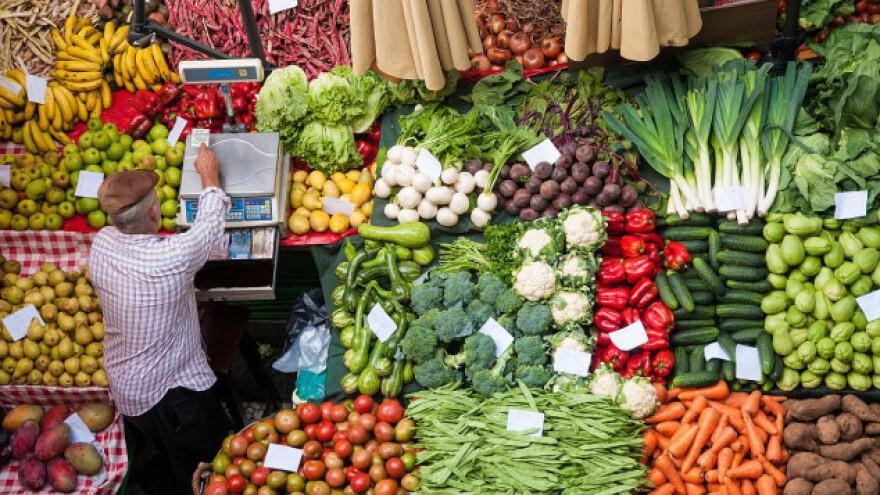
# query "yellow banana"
(68, 97)
(131, 62)
(78, 66)
(81, 42)
(161, 64)
(82, 112)
(10, 116)
(19, 77)
(42, 118)
(82, 85)
(5, 104)
(67, 75)
(62, 104)
(93, 38)
(58, 39)
(120, 38)
(109, 31)
(62, 55)
(60, 136)
(123, 68)
(106, 95)
(69, 24)
(86, 32)
(81, 23)
(13, 99)
(28, 139)
(90, 54)
(29, 109)
(129, 86)
(91, 100)
(96, 112)
(43, 141)
(104, 50)
(50, 104)
(117, 78)
(146, 67)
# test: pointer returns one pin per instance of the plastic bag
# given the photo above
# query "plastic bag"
(308, 336)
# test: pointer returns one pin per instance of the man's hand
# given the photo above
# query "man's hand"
(208, 167)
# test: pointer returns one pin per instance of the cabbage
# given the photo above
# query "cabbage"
(282, 102)
(333, 100)
(326, 148)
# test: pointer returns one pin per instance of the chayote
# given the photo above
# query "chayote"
(835, 381)
(842, 332)
(860, 341)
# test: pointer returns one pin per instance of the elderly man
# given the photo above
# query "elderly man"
(153, 351)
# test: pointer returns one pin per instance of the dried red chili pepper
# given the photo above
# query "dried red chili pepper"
(643, 293)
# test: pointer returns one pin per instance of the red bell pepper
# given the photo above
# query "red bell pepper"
(612, 297)
(658, 315)
(629, 316)
(640, 222)
(638, 268)
(146, 102)
(612, 355)
(612, 247)
(614, 221)
(638, 363)
(658, 339)
(676, 256)
(168, 93)
(138, 127)
(643, 293)
(606, 319)
(652, 251)
(662, 363)
(652, 238)
(632, 246)
(611, 272)
(207, 105)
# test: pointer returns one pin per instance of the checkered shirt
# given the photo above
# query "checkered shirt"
(145, 282)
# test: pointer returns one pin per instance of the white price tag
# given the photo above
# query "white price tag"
(499, 334)
(748, 366)
(870, 305)
(88, 184)
(714, 351)
(629, 337)
(730, 198)
(429, 165)
(336, 205)
(852, 204)
(572, 362)
(545, 151)
(5, 175)
(276, 6)
(175, 132)
(520, 420)
(36, 88)
(380, 323)
(9, 85)
(79, 432)
(17, 323)
(199, 136)
(282, 457)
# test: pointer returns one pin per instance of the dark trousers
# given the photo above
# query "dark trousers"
(186, 427)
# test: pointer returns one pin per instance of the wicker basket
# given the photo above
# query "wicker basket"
(203, 470)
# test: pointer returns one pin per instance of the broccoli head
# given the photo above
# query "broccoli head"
(529, 350)
(492, 381)
(428, 319)
(479, 312)
(489, 287)
(425, 297)
(451, 324)
(419, 343)
(534, 319)
(434, 373)
(508, 301)
(508, 322)
(457, 289)
(533, 376)
(478, 353)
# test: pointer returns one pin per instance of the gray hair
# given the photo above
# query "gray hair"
(134, 216)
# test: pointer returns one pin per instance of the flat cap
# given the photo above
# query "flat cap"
(123, 189)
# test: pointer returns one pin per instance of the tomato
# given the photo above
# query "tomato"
(409, 461)
(357, 435)
(317, 488)
(388, 450)
(363, 404)
(295, 483)
(385, 487)
(216, 488)
(248, 435)
(310, 430)
(335, 477)
(325, 431)
(368, 421)
(233, 469)
(238, 446)
(377, 472)
(250, 489)
(378, 461)
(390, 410)
(372, 446)
(359, 483)
(286, 421)
(236, 483)
(312, 450)
(314, 470)
(343, 448)
(383, 432)
(404, 430)
(266, 490)
(332, 460)
(362, 459)
(259, 476)
(326, 407)
(309, 413)
(338, 414)
(247, 467)
(216, 477)
(276, 480)
(273, 437)
(395, 468)
(754, 56)
(297, 438)
(339, 434)
(256, 451)
(410, 483)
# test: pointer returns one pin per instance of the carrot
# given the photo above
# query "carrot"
(668, 469)
(765, 485)
(707, 460)
(695, 489)
(725, 459)
(774, 449)
(671, 411)
(749, 469)
(682, 440)
(672, 393)
(660, 390)
(722, 424)
(668, 428)
(649, 437)
(727, 437)
(756, 446)
(777, 475)
(739, 444)
(751, 405)
(662, 442)
(731, 487)
(736, 399)
(693, 475)
(772, 406)
(738, 459)
(718, 391)
(762, 421)
(711, 476)
(747, 487)
(655, 477)
(666, 489)
(696, 407)
(734, 415)
(705, 427)
(714, 488)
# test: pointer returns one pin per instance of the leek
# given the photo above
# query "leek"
(700, 104)
(750, 141)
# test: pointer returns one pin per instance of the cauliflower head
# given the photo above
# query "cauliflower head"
(570, 308)
(577, 270)
(638, 397)
(537, 242)
(583, 228)
(605, 382)
(535, 280)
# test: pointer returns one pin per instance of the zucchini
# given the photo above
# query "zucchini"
(743, 311)
(714, 248)
(665, 291)
(704, 335)
(691, 324)
(695, 379)
(696, 247)
(703, 296)
(681, 292)
(697, 359)
(778, 366)
(695, 219)
(766, 355)
(411, 235)
(728, 370)
(743, 273)
(709, 277)
(752, 244)
(733, 324)
(753, 228)
(727, 345)
(741, 258)
(701, 313)
(681, 360)
(714, 365)
(762, 286)
(747, 335)
(737, 296)
(687, 233)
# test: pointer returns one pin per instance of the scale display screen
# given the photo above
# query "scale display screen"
(241, 210)
(216, 74)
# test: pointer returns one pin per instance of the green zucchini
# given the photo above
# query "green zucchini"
(762, 286)
(695, 219)
(714, 365)
(703, 296)
(753, 228)
(729, 257)
(681, 292)
(744, 311)
(728, 370)
(700, 313)
(696, 247)
(752, 244)
(764, 344)
(742, 297)
(695, 379)
(733, 324)
(696, 336)
(743, 273)
(411, 235)
(687, 233)
(709, 277)
(697, 359)
(681, 360)
(665, 290)
(714, 248)
(728, 345)
(691, 324)
(747, 335)
(778, 366)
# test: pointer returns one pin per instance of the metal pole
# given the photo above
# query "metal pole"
(790, 31)
(250, 28)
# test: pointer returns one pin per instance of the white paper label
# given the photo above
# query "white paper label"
(177, 130)
(852, 204)
(572, 362)
(199, 136)
(282, 457)
(630, 336)
(499, 334)
(714, 351)
(10, 85)
(748, 366)
(429, 165)
(36, 88)
(870, 305)
(79, 432)
(336, 205)
(520, 420)
(88, 184)
(17, 323)
(380, 323)
(5, 175)
(276, 6)
(545, 151)
(730, 198)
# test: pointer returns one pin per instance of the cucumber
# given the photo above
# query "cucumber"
(681, 360)
(733, 324)
(665, 291)
(728, 345)
(681, 292)
(737, 296)
(778, 366)
(695, 379)
(709, 277)
(701, 313)
(714, 365)
(753, 228)
(696, 247)
(705, 335)
(697, 359)
(765, 352)
(747, 335)
(728, 370)
(687, 233)
(694, 285)
(752, 244)
(694, 220)
(762, 286)
(714, 248)
(743, 273)
(741, 258)
(703, 296)
(691, 324)
(744, 311)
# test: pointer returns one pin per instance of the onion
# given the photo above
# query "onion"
(498, 55)
(533, 59)
(528, 28)
(496, 23)
(562, 59)
(408, 215)
(392, 211)
(511, 24)
(519, 43)
(381, 188)
(551, 47)
(488, 42)
(481, 63)
(503, 39)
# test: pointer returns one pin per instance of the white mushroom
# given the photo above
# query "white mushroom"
(392, 211)
(446, 217)
(395, 152)
(487, 202)
(422, 182)
(404, 174)
(427, 210)
(408, 215)
(389, 170)
(449, 176)
(481, 178)
(381, 188)
(408, 156)
(408, 197)
(480, 218)
(465, 183)
(439, 195)
(459, 204)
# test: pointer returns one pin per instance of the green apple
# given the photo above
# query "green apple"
(160, 193)
(70, 149)
(112, 131)
(172, 176)
(170, 192)
(95, 124)
(5, 219)
(168, 208)
(70, 193)
(174, 157)
(60, 178)
(116, 151)
(54, 195)
(147, 162)
(27, 207)
(19, 180)
(91, 156)
(109, 167)
(139, 153)
(66, 209)
(45, 171)
(161, 163)
(37, 221)
(86, 205)
(85, 141)
(125, 140)
(125, 165)
(48, 209)
(101, 140)
(36, 189)
(169, 224)
(19, 222)
(158, 131)
(8, 198)
(160, 146)
(140, 143)
(54, 221)
(180, 146)
(95, 168)
(72, 162)
(97, 219)
(128, 155)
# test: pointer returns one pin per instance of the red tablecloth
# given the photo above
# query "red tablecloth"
(68, 250)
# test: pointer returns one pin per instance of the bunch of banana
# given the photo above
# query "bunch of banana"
(37, 124)
(82, 54)
(142, 68)
(13, 104)
(37, 140)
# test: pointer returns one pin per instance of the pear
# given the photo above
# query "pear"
(56, 277)
(49, 379)
(99, 379)
(24, 283)
(41, 279)
(83, 379)
(83, 289)
(22, 368)
(71, 365)
(52, 337)
(65, 348)
(80, 318)
(83, 335)
(5, 378)
(35, 377)
(16, 351)
(30, 349)
(63, 289)
(95, 316)
(42, 363)
(97, 329)
(8, 364)
(95, 349)
(35, 333)
(35, 298)
(5, 307)
(13, 295)
(9, 279)
(4, 349)
(10, 266)
(88, 364)
(48, 294)
(65, 380)
(56, 368)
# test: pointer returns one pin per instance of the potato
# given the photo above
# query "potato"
(330, 189)
(866, 484)
(356, 219)
(312, 201)
(300, 176)
(853, 405)
(798, 486)
(298, 224)
(800, 436)
(850, 427)
(833, 486)
(360, 194)
(319, 220)
(811, 409)
(846, 451)
(338, 223)
(828, 431)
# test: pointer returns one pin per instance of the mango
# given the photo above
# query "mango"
(20, 414)
(84, 458)
(96, 416)
(24, 439)
(52, 442)
(53, 416)
(62, 475)
(32, 473)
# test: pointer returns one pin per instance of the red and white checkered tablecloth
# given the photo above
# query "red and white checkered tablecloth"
(111, 441)
(31, 248)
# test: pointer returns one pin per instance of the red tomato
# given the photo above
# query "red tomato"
(357, 435)
(390, 410)
(372, 446)
(340, 434)
(384, 432)
(258, 477)
(310, 430)
(354, 418)
(362, 460)
(233, 469)
(385, 487)
(335, 477)
(219, 488)
(326, 407)
(343, 448)
(754, 56)
(309, 413)
(395, 468)
(236, 483)
(363, 404)
(377, 472)
(368, 421)
(332, 460)
(249, 435)
(325, 431)
(359, 483)
(338, 414)
(312, 450)
(314, 470)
